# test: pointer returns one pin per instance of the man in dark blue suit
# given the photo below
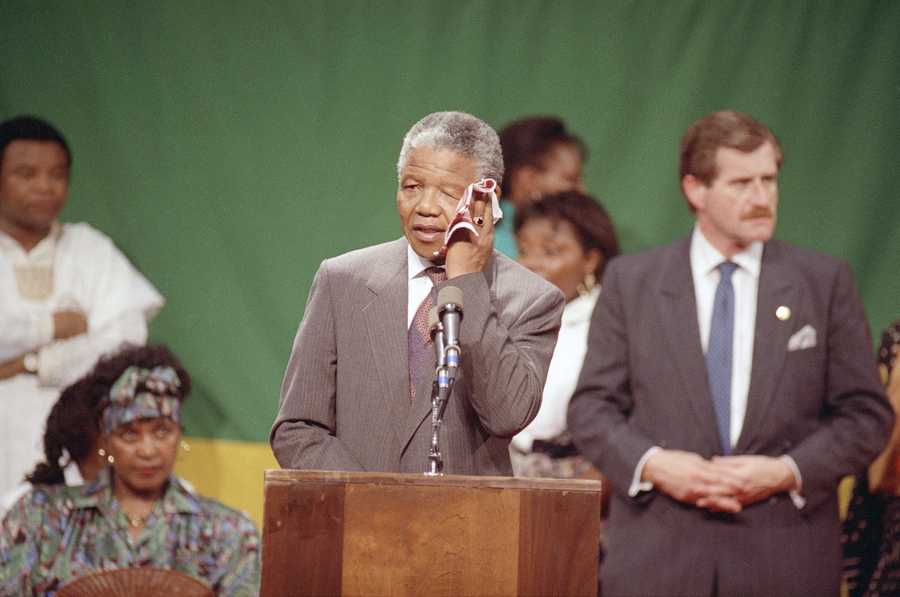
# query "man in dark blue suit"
(728, 386)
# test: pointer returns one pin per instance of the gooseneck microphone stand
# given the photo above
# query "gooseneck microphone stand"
(443, 323)
(440, 393)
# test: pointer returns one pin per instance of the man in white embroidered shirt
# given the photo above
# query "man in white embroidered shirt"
(67, 295)
(728, 386)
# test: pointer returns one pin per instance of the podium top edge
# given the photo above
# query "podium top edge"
(286, 476)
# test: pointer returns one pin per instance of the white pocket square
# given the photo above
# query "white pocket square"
(803, 339)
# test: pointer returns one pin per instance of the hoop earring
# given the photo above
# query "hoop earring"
(109, 457)
(186, 446)
(587, 285)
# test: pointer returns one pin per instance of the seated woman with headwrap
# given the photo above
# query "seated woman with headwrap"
(136, 513)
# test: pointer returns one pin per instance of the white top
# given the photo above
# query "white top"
(90, 274)
(745, 279)
(562, 376)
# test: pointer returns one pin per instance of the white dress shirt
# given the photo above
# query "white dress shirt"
(705, 260)
(419, 283)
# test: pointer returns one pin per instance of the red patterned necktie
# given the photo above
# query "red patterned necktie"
(418, 336)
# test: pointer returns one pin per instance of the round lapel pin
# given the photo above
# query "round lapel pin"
(783, 313)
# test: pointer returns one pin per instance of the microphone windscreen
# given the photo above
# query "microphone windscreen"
(450, 294)
(433, 319)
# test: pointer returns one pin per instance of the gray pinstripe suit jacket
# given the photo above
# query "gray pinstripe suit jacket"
(345, 397)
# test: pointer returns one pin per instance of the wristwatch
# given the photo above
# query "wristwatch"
(30, 361)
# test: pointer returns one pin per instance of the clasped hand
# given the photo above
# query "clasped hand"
(722, 484)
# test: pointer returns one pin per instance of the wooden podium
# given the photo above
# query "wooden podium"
(338, 533)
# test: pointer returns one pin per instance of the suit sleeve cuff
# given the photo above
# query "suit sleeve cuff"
(637, 486)
(796, 497)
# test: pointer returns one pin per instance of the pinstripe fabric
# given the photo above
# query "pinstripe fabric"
(345, 402)
(644, 383)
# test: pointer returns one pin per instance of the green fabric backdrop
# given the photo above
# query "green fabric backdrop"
(229, 147)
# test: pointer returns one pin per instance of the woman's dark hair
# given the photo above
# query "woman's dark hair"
(593, 226)
(528, 141)
(74, 421)
(72, 426)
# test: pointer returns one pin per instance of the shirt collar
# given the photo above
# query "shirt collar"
(179, 499)
(705, 257)
(176, 499)
(44, 248)
(415, 263)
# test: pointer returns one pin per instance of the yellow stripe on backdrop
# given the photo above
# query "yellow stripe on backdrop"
(229, 471)
(232, 472)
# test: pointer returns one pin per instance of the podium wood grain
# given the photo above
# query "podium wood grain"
(335, 533)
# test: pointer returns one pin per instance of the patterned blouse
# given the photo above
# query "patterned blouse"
(55, 534)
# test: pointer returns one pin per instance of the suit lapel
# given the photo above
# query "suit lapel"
(678, 312)
(385, 318)
(770, 339)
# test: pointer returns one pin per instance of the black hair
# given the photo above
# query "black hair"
(593, 226)
(72, 426)
(74, 421)
(31, 128)
(528, 141)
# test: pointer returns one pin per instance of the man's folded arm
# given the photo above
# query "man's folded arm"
(23, 332)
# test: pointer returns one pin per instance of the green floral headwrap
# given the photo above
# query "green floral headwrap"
(143, 394)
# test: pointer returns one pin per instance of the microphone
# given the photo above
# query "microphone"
(450, 312)
(437, 336)
(442, 382)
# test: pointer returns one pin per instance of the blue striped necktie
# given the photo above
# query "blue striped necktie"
(719, 350)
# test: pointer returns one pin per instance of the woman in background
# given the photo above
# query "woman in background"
(871, 535)
(567, 238)
(136, 513)
(541, 157)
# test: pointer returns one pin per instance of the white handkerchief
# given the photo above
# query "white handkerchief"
(463, 218)
(803, 339)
